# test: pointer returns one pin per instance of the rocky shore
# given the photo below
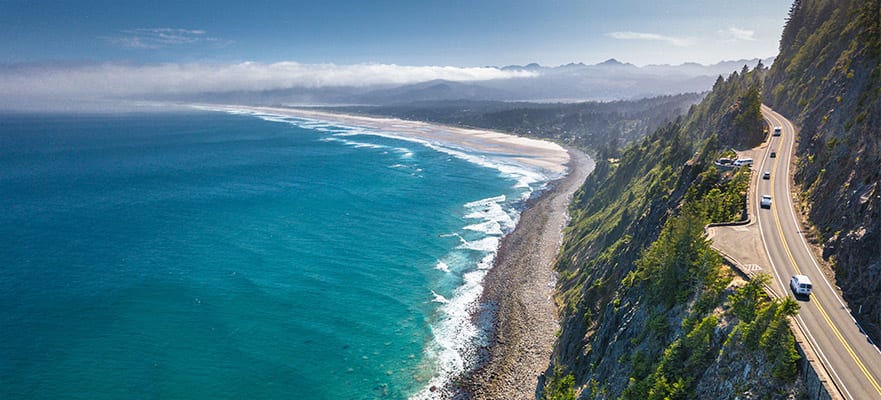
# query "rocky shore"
(519, 292)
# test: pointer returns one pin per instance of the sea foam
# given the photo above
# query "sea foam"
(456, 336)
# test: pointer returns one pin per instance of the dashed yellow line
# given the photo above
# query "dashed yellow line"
(831, 324)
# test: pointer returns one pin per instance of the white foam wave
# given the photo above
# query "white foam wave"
(488, 228)
(405, 152)
(525, 176)
(489, 243)
(438, 298)
(362, 145)
(352, 143)
(271, 118)
(346, 131)
(456, 235)
(486, 202)
(456, 337)
(491, 211)
(487, 261)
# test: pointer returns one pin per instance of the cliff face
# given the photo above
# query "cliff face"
(828, 79)
(647, 309)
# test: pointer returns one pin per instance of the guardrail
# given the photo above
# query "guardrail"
(817, 377)
(818, 381)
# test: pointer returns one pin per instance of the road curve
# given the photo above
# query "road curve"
(852, 360)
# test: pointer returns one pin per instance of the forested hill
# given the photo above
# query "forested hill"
(827, 78)
(648, 311)
(588, 125)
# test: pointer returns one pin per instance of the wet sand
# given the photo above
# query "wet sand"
(537, 153)
(520, 287)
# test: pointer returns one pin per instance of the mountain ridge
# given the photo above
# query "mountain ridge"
(610, 80)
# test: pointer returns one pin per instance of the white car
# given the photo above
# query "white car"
(801, 284)
(766, 201)
(777, 131)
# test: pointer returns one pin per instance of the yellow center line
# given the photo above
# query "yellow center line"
(831, 324)
(847, 347)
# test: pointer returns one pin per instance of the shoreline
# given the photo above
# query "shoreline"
(519, 291)
(516, 303)
(541, 154)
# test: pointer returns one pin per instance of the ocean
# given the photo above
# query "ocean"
(240, 256)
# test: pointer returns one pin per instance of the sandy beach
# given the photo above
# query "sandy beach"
(519, 288)
(537, 153)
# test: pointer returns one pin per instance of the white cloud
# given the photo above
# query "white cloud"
(109, 80)
(739, 34)
(676, 41)
(155, 38)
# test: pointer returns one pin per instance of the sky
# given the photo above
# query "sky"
(66, 49)
(412, 32)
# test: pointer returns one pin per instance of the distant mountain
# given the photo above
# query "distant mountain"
(721, 68)
(527, 67)
(432, 91)
(609, 80)
(613, 80)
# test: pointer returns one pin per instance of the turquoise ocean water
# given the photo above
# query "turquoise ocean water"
(239, 256)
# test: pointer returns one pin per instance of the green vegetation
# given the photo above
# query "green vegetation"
(602, 126)
(677, 262)
(561, 387)
(768, 331)
(648, 310)
(724, 200)
(827, 79)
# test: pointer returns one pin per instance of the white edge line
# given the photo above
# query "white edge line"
(811, 340)
(808, 249)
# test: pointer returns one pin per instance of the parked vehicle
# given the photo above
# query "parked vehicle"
(766, 201)
(801, 284)
(743, 162)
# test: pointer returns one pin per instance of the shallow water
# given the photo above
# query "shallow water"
(209, 255)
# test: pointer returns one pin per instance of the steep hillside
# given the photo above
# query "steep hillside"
(828, 79)
(648, 311)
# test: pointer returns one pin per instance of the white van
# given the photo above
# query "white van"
(743, 162)
(800, 284)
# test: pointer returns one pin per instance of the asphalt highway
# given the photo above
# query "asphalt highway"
(852, 360)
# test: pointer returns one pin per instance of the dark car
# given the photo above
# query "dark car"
(773, 154)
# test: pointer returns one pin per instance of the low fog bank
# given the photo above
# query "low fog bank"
(115, 87)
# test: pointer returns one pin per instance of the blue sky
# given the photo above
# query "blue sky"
(452, 32)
